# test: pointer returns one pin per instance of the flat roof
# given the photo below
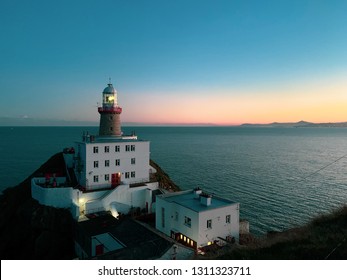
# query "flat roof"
(191, 200)
(111, 140)
(134, 240)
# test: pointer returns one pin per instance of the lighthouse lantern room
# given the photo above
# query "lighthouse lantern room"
(110, 124)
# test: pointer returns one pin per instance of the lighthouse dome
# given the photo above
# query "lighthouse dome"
(109, 89)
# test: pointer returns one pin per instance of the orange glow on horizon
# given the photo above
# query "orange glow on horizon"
(317, 102)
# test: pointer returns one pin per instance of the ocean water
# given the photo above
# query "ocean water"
(282, 177)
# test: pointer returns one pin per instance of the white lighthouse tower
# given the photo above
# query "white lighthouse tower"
(110, 124)
(111, 159)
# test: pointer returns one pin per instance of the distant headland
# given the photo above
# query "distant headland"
(297, 124)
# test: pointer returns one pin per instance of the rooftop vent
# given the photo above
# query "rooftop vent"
(205, 199)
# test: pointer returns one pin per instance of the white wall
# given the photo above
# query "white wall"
(131, 197)
(171, 223)
(219, 226)
(56, 197)
(141, 166)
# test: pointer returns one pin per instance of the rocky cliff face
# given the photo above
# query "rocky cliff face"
(29, 230)
(164, 180)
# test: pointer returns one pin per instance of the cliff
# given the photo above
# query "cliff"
(29, 230)
(164, 179)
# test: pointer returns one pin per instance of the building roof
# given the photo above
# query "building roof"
(192, 201)
(137, 242)
(109, 89)
(92, 139)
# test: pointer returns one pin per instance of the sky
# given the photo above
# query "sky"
(174, 62)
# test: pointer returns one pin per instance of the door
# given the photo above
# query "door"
(115, 180)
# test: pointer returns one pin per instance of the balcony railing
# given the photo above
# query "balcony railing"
(116, 110)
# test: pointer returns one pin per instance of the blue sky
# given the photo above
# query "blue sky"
(224, 62)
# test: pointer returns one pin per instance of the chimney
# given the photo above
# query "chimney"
(197, 192)
(205, 199)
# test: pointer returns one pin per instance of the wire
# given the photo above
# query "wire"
(320, 169)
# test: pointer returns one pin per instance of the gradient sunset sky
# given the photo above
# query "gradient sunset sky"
(221, 62)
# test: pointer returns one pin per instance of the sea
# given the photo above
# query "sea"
(282, 177)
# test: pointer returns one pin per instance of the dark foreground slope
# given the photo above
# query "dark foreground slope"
(325, 237)
(29, 230)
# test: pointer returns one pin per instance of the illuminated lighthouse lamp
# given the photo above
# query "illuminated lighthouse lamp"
(109, 101)
(110, 124)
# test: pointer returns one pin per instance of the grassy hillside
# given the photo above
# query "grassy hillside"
(322, 238)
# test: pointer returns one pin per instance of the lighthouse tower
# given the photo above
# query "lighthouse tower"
(110, 113)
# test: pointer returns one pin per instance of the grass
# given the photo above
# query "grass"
(323, 238)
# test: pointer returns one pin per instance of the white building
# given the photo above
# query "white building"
(197, 219)
(105, 172)
(106, 162)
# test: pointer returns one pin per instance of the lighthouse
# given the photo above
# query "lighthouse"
(110, 113)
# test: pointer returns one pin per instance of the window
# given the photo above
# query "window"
(107, 149)
(227, 219)
(187, 221)
(176, 216)
(95, 150)
(133, 148)
(133, 161)
(96, 164)
(132, 174)
(107, 163)
(117, 162)
(107, 177)
(96, 179)
(162, 217)
(117, 149)
(209, 224)
(127, 175)
(127, 148)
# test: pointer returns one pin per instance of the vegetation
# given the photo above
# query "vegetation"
(163, 179)
(322, 238)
